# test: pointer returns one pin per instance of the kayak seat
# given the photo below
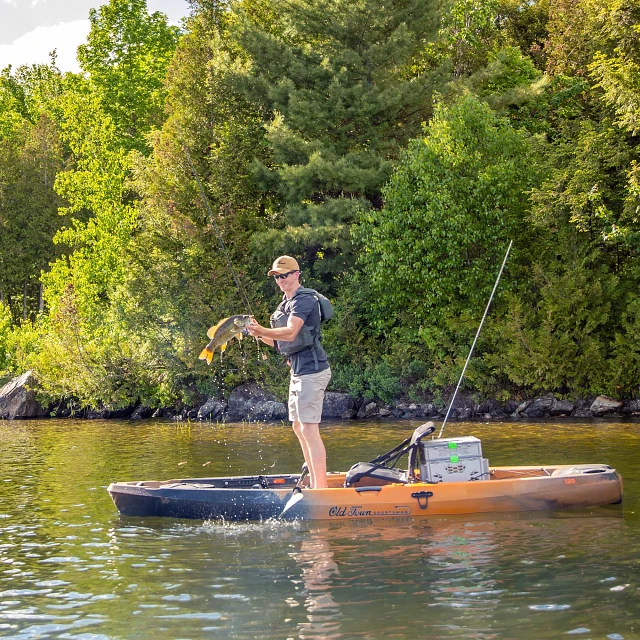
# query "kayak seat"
(377, 472)
(382, 470)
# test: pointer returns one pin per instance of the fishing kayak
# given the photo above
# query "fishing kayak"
(431, 485)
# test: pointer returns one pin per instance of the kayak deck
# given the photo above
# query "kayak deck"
(507, 489)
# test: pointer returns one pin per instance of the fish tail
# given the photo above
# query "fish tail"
(206, 354)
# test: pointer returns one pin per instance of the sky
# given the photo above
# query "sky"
(31, 29)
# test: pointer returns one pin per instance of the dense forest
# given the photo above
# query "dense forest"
(395, 148)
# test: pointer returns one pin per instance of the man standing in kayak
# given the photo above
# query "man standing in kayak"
(295, 332)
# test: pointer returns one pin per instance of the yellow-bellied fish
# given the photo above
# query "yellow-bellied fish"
(221, 333)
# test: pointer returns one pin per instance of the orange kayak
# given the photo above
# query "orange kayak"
(262, 497)
(443, 477)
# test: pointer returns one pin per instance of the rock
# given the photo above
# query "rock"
(581, 413)
(493, 409)
(141, 412)
(158, 413)
(540, 407)
(269, 410)
(192, 414)
(561, 408)
(212, 409)
(603, 405)
(412, 407)
(522, 407)
(97, 414)
(419, 411)
(385, 413)
(369, 409)
(429, 410)
(511, 406)
(582, 408)
(336, 405)
(462, 413)
(123, 413)
(396, 413)
(18, 399)
(631, 407)
(60, 410)
(244, 397)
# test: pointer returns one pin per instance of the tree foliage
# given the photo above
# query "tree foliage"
(394, 148)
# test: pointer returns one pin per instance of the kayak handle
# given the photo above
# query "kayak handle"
(423, 498)
(361, 489)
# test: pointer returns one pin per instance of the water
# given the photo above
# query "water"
(71, 567)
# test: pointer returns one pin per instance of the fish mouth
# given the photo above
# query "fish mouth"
(242, 322)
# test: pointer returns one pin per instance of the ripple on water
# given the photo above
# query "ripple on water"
(191, 616)
(532, 577)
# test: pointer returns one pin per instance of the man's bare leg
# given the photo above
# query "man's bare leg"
(316, 454)
(297, 429)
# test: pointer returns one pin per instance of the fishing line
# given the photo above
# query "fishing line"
(486, 311)
(223, 246)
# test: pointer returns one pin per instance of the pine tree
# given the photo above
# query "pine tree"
(340, 92)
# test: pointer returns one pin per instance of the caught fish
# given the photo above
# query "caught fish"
(221, 333)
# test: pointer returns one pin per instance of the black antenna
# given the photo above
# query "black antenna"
(486, 311)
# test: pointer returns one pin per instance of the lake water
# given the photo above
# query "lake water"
(71, 567)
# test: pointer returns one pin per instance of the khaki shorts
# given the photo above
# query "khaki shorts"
(306, 395)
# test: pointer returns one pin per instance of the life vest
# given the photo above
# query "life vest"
(309, 335)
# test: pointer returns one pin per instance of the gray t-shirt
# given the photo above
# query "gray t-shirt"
(306, 307)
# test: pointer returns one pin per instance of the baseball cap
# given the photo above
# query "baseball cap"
(284, 264)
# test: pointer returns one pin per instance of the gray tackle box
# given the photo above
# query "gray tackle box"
(453, 460)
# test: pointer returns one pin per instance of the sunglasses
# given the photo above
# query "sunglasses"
(282, 276)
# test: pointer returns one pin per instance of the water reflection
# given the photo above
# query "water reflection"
(71, 567)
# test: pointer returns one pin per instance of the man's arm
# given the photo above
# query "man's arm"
(268, 335)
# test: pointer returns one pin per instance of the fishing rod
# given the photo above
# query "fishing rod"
(486, 311)
(223, 246)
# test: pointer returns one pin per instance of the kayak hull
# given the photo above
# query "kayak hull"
(510, 489)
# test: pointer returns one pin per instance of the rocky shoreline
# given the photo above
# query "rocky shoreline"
(250, 402)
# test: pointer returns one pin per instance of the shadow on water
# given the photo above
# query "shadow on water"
(71, 567)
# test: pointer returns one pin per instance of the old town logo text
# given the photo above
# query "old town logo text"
(360, 512)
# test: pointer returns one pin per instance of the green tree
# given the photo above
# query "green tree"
(450, 207)
(431, 254)
(467, 36)
(31, 155)
(126, 57)
(104, 118)
(617, 70)
(339, 94)
(178, 282)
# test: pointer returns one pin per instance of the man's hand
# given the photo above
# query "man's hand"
(254, 329)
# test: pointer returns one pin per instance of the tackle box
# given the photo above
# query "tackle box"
(453, 460)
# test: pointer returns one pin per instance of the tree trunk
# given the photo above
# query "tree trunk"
(24, 301)
(41, 300)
